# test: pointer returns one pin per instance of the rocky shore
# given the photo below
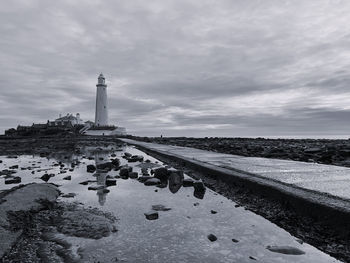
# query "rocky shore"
(32, 221)
(335, 152)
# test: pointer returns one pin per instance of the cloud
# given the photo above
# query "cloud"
(187, 68)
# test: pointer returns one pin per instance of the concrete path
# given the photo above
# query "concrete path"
(327, 184)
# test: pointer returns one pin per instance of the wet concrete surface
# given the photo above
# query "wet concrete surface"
(329, 179)
(180, 234)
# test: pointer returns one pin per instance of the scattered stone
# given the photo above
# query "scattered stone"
(152, 181)
(69, 195)
(126, 154)
(96, 187)
(212, 237)
(67, 177)
(13, 180)
(152, 215)
(14, 167)
(45, 177)
(253, 258)
(213, 211)
(90, 168)
(113, 155)
(196, 204)
(234, 240)
(105, 166)
(160, 208)
(300, 241)
(288, 250)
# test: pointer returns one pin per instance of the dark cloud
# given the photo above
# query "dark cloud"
(193, 68)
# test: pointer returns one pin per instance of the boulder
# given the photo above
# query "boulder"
(67, 177)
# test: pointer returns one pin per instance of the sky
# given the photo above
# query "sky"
(217, 68)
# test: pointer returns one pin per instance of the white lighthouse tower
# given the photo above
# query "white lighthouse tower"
(101, 114)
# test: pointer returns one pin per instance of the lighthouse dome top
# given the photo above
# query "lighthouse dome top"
(101, 79)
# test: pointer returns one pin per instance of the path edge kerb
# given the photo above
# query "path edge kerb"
(331, 209)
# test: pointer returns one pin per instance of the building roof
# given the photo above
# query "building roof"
(68, 117)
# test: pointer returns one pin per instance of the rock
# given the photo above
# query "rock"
(175, 182)
(110, 182)
(234, 240)
(199, 189)
(137, 158)
(199, 186)
(125, 170)
(160, 208)
(45, 177)
(14, 167)
(288, 250)
(152, 215)
(152, 181)
(143, 179)
(187, 182)
(213, 211)
(113, 155)
(96, 187)
(13, 180)
(105, 166)
(67, 177)
(85, 224)
(161, 173)
(116, 162)
(212, 237)
(126, 154)
(86, 182)
(90, 168)
(133, 175)
(69, 195)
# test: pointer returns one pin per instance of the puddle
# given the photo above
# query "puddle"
(187, 216)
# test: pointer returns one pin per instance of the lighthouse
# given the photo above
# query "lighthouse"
(101, 114)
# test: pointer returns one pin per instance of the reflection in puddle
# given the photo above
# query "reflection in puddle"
(184, 207)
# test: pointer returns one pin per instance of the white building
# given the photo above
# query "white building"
(68, 119)
(101, 114)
